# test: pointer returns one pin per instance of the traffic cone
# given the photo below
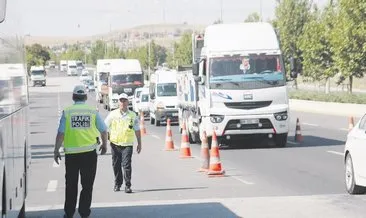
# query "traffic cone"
(169, 144)
(298, 135)
(142, 125)
(215, 168)
(205, 154)
(351, 123)
(185, 150)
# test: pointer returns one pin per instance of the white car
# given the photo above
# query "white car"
(355, 158)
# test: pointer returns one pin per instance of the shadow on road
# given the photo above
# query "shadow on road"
(308, 141)
(201, 210)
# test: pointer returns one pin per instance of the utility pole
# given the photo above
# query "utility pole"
(260, 9)
(221, 7)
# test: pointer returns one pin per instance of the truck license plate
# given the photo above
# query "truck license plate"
(249, 121)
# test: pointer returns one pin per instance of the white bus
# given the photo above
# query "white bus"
(14, 144)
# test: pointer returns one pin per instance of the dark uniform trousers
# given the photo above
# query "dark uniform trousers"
(86, 165)
(122, 157)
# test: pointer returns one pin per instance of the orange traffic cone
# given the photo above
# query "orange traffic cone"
(351, 123)
(185, 150)
(215, 168)
(205, 154)
(169, 144)
(298, 135)
(142, 125)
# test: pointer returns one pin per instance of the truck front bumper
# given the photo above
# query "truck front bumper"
(237, 126)
(163, 115)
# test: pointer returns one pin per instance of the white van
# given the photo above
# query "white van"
(38, 75)
(163, 96)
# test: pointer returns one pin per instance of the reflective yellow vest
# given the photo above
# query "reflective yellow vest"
(80, 129)
(121, 131)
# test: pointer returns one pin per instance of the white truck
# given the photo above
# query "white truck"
(71, 68)
(163, 96)
(237, 85)
(38, 75)
(123, 76)
(63, 65)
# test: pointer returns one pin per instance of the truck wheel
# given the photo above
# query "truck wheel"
(157, 122)
(280, 140)
(193, 138)
(152, 121)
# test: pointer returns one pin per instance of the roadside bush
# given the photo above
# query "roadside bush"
(339, 97)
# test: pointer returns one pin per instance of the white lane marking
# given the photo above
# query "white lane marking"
(52, 185)
(292, 143)
(343, 129)
(310, 124)
(242, 180)
(336, 152)
(155, 136)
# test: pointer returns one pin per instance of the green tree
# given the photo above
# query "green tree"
(349, 39)
(316, 47)
(290, 18)
(36, 54)
(253, 17)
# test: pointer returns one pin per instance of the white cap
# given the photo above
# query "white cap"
(123, 96)
(79, 90)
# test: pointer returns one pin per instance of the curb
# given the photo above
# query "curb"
(330, 108)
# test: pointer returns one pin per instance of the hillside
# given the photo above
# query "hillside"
(161, 33)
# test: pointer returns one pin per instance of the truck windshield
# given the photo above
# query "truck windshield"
(127, 79)
(37, 72)
(246, 72)
(144, 98)
(103, 77)
(167, 89)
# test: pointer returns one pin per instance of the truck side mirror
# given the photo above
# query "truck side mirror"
(195, 69)
(293, 67)
(2, 10)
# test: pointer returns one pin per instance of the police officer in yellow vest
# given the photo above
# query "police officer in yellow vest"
(79, 128)
(123, 126)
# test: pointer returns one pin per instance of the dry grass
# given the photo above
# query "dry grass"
(157, 28)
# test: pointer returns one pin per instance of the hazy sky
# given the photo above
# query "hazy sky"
(61, 17)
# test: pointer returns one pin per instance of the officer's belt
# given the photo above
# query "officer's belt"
(80, 149)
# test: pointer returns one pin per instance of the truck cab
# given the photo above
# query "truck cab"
(163, 96)
(241, 83)
(38, 75)
(72, 68)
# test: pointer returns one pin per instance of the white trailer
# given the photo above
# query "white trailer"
(240, 84)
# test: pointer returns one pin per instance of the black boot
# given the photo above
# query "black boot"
(128, 189)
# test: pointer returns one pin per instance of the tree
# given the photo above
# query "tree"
(253, 17)
(349, 39)
(182, 53)
(316, 47)
(290, 18)
(36, 55)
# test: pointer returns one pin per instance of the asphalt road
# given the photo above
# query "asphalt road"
(302, 180)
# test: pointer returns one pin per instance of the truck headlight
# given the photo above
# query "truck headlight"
(281, 116)
(160, 106)
(217, 118)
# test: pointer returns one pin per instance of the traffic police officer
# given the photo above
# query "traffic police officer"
(123, 126)
(78, 130)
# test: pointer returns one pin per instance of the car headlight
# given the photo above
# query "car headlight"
(281, 116)
(217, 118)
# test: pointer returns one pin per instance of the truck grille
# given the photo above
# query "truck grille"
(247, 105)
(233, 125)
